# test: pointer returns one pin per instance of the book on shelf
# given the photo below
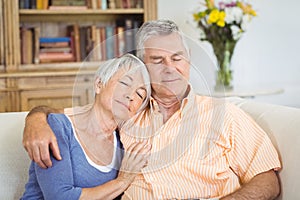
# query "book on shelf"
(36, 45)
(131, 27)
(120, 44)
(55, 44)
(68, 2)
(102, 4)
(112, 4)
(50, 57)
(56, 50)
(73, 33)
(110, 42)
(102, 33)
(30, 45)
(33, 4)
(51, 40)
(68, 7)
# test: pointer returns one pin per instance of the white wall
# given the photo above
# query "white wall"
(266, 56)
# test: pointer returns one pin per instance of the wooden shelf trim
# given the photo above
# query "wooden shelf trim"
(46, 74)
(60, 66)
(81, 12)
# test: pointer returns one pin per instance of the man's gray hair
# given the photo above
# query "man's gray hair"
(161, 27)
(108, 69)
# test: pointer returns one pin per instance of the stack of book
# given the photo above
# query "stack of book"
(56, 49)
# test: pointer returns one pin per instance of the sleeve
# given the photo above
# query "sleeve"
(57, 182)
(252, 151)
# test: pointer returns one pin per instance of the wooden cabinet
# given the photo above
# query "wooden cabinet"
(65, 84)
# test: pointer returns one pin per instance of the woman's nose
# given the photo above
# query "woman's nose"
(128, 97)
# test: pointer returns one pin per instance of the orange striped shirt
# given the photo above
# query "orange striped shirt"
(205, 150)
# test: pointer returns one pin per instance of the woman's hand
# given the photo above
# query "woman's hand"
(135, 158)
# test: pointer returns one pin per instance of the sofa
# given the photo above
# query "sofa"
(281, 123)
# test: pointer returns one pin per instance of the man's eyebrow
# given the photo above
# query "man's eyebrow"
(179, 53)
(156, 57)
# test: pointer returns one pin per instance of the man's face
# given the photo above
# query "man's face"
(168, 64)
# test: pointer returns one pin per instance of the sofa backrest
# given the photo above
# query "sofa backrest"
(282, 124)
(14, 162)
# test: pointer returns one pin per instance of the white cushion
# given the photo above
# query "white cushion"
(14, 162)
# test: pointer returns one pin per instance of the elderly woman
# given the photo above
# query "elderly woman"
(89, 142)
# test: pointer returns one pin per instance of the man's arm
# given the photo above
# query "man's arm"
(263, 186)
(38, 138)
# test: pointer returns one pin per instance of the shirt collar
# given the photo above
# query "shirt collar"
(185, 104)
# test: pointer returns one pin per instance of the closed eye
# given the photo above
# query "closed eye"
(141, 92)
(176, 57)
(124, 83)
(156, 59)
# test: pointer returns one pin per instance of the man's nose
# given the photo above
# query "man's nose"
(168, 62)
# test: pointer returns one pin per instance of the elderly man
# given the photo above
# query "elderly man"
(201, 147)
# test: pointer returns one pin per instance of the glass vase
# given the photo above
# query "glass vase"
(224, 73)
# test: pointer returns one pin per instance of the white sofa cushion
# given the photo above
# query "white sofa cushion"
(14, 162)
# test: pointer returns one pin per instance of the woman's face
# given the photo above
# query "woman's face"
(124, 93)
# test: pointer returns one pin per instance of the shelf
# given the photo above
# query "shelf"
(32, 15)
(60, 66)
(81, 12)
(45, 74)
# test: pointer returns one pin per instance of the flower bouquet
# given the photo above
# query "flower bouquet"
(222, 24)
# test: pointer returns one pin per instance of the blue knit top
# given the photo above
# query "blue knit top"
(66, 178)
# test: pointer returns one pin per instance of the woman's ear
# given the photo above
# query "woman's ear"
(98, 85)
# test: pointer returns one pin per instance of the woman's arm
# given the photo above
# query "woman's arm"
(57, 182)
(38, 137)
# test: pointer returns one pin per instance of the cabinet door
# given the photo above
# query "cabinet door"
(4, 103)
(56, 98)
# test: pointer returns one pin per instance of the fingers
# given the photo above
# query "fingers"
(41, 156)
(55, 150)
(136, 157)
(38, 138)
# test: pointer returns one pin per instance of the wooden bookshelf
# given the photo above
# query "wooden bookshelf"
(59, 84)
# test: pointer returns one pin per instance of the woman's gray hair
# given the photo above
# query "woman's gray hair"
(108, 69)
(161, 27)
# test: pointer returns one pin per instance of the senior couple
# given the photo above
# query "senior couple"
(172, 145)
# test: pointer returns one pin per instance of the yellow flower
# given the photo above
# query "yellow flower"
(210, 4)
(247, 8)
(217, 17)
(213, 16)
(196, 17)
(221, 23)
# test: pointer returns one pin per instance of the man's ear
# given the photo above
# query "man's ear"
(98, 85)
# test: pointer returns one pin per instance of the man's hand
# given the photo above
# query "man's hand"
(38, 139)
